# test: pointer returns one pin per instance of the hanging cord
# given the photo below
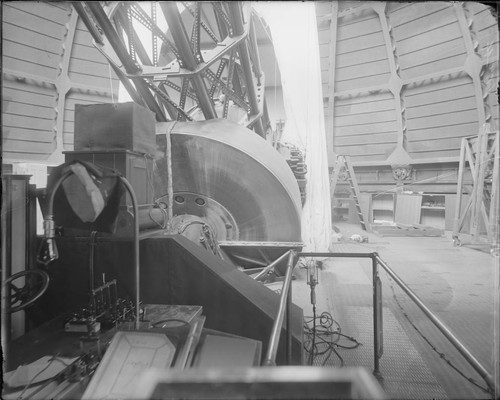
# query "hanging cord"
(209, 241)
(111, 85)
(150, 168)
(441, 355)
(163, 209)
(150, 173)
(275, 93)
(313, 345)
(322, 338)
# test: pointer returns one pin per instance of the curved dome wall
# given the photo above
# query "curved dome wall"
(48, 66)
(403, 83)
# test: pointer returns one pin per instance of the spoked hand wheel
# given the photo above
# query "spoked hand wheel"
(19, 297)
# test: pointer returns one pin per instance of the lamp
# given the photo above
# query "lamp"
(48, 249)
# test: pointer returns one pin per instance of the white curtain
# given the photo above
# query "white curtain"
(295, 38)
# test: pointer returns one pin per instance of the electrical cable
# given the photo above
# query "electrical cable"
(111, 85)
(30, 383)
(323, 338)
(164, 213)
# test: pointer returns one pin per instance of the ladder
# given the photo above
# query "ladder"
(343, 165)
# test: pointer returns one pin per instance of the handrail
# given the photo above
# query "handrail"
(137, 277)
(377, 308)
(285, 303)
(376, 260)
(270, 266)
(480, 369)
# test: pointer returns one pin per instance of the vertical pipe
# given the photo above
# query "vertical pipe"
(496, 325)
(6, 263)
(458, 200)
(92, 244)
(272, 348)
(376, 294)
(181, 40)
(475, 209)
(481, 162)
(32, 226)
(288, 327)
(136, 249)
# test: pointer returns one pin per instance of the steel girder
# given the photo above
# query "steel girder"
(208, 66)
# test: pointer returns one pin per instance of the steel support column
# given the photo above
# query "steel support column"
(182, 42)
(288, 327)
(114, 40)
(377, 319)
(236, 17)
(257, 65)
(285, 301)
(96, 35)
(121, 17)
(130, 65)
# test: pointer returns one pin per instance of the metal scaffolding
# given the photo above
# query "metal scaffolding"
(206, 66)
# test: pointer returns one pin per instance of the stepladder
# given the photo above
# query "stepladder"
(344, 172)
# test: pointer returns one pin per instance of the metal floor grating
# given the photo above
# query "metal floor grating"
(441, 277)
(405, 374)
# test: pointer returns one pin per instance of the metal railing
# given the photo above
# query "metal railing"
(283, 313)
(377, 313)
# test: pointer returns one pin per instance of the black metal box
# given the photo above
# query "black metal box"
(137, 168)
(122, 126)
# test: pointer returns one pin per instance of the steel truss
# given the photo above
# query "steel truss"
(204, 66)
(481, 212)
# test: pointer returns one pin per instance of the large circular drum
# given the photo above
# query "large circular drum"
(234, 180)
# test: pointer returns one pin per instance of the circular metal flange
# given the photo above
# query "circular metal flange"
(242, 173)
(214, 214)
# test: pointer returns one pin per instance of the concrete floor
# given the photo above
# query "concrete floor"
(456, 283)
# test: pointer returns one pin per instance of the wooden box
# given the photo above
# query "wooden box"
(123, 126)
